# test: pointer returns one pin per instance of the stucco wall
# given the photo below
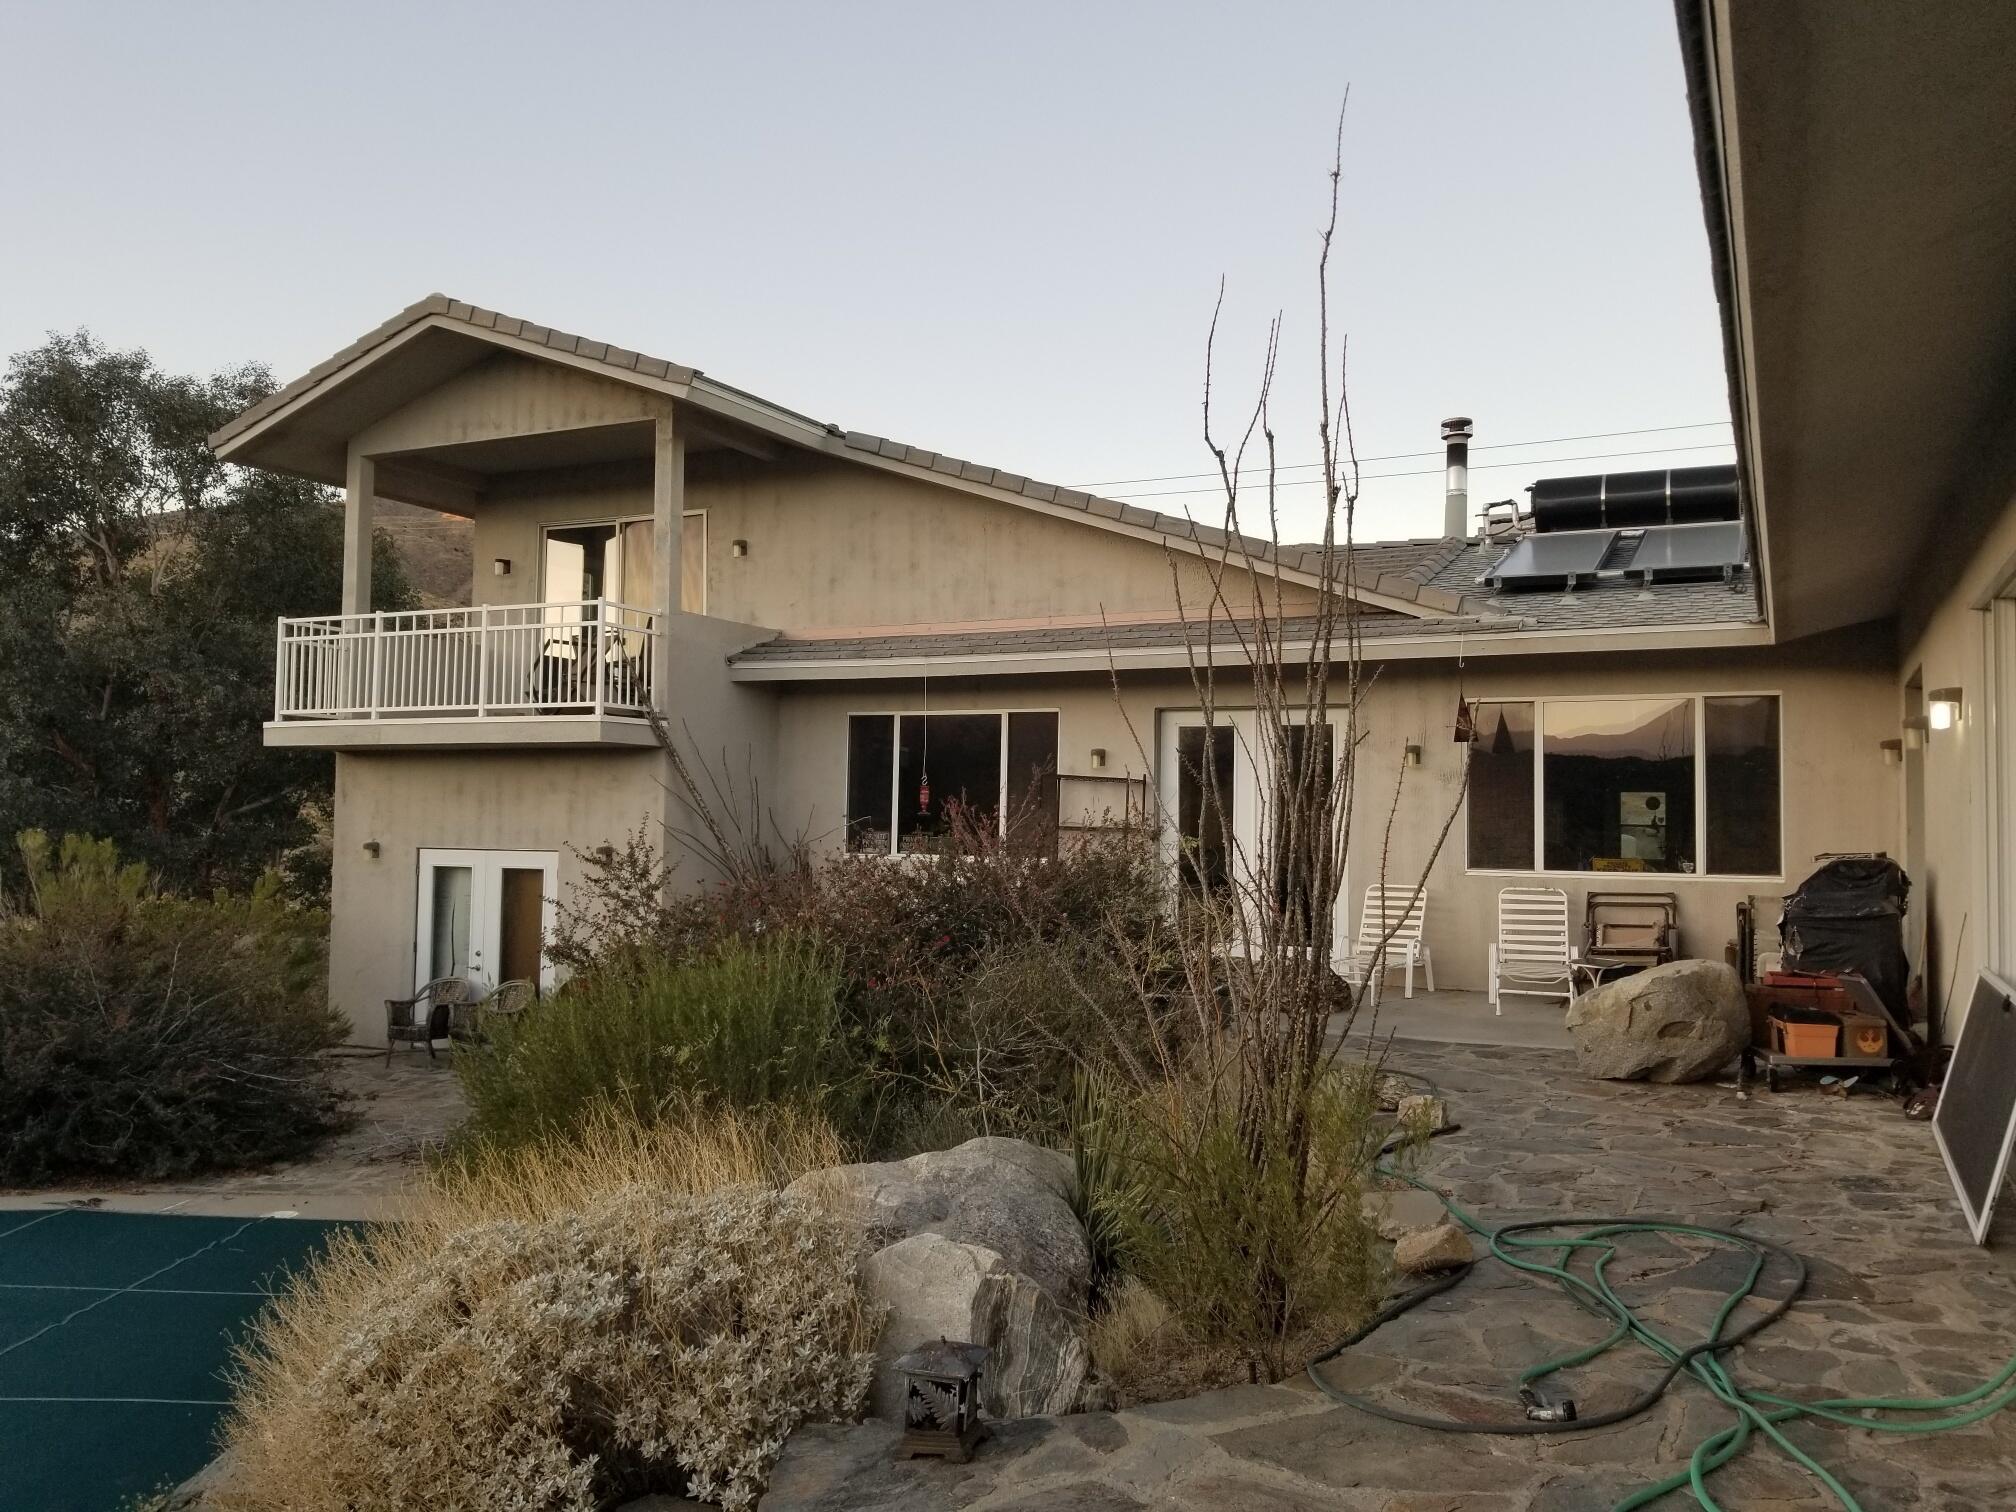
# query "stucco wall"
(503, 800)
(1943, 643)
(833, 546)
(1839, 795)
(518, 508)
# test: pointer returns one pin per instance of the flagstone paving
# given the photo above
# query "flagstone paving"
(1899, 1301)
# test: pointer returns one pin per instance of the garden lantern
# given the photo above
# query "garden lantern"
(941, 1400)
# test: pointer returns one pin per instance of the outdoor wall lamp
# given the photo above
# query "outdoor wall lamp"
(738, 548)
(1413, 755)
(1893, 752)
(371, 848)
(1915, 727)
(1098, 758)
(500, 566)
(1942, 708)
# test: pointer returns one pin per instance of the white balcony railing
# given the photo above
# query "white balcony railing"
(585, 657)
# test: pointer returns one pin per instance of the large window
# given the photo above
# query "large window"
(912, 777)
(1668, 785)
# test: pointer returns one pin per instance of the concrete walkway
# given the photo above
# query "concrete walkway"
(402, 1111)
(1898, 1302)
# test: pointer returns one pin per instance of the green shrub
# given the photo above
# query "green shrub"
(1240, 1206)
(146, 1035)
(972, 982)
(748, 1021)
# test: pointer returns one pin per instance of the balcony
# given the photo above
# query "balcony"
(570, 673)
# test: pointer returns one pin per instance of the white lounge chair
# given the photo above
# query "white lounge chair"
(1396, 915)
(1532, 955)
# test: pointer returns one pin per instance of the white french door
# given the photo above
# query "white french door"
(1208, 769)
(485, 915)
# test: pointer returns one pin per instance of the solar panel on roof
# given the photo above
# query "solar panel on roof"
(1560, 560)
(1646, 554)
(1670, 553)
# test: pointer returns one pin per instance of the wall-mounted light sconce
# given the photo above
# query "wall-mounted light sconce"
(1413, 754)
(738, 548)
(1893, 752)
(500, 566)
(1098, 758)
(1942, 708)
(371, 849)
(1915, 727)
(605, 854)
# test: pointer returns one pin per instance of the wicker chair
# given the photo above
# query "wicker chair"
(426, 1016)
(469, 1022)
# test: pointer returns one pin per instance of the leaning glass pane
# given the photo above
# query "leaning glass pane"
(1617, 781)
(1500, 801)
(1742, 781)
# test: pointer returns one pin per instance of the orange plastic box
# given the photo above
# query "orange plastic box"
(1805, 1041)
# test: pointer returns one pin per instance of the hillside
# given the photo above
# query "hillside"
(435, 550)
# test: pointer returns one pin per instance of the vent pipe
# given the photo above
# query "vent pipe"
(1456, 502)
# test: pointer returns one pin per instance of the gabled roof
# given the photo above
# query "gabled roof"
(1432, 583)
(1389, 583)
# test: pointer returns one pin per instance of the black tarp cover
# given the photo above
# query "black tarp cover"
(1849, 916)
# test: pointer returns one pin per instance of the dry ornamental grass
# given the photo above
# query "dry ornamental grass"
(560, 1328)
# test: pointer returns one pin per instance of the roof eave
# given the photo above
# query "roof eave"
(1464, 643)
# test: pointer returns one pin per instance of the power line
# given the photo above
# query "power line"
(1432, 472)
(1646, 430)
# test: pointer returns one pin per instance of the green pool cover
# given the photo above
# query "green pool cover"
(115, 1330)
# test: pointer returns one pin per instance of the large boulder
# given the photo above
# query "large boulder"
(1005, 1195)
(1674, 1023)
(937, 1288)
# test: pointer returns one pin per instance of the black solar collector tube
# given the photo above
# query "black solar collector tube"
(1703, 493)
(1624, 501)
(1568, 503)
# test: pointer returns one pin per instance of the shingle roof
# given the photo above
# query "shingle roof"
(1172, 635)
(473, 315)
(1608, 605)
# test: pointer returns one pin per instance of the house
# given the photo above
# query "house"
(845, 632)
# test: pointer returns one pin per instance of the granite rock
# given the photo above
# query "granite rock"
(1680, 1022)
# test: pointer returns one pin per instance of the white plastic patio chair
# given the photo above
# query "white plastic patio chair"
(1532, 956)
(1396, 915)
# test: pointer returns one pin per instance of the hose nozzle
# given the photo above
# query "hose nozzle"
(1544, 1407)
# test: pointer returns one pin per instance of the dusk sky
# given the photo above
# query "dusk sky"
(995, 232)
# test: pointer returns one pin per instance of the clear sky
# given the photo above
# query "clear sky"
(993, 231)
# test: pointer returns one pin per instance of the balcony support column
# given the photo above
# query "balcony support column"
(668, 509)
(360, 487)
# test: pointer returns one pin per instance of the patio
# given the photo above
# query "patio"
(1452, 1017)
(1898, 1303)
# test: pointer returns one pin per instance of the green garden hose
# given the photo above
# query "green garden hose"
(1519, 1245)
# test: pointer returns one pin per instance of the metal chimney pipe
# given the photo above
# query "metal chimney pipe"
(1456, 502)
